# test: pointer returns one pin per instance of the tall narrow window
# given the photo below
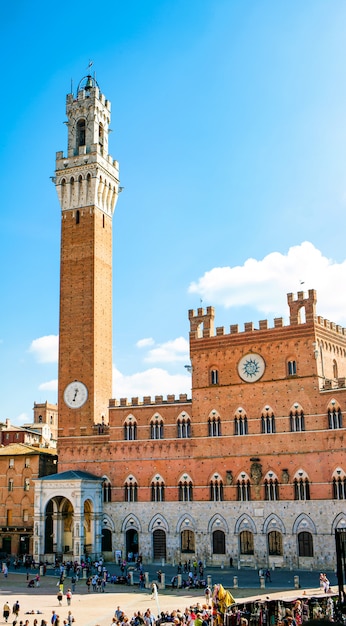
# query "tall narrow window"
(335, 369)
(297, 421)
(291, 368)
(240, 425)
(301, 488)
(268, 422)
(214, 426)
(77, 216)
(26, 484)
(185, 491)
(271, 489)
(275, 543)
(243, 490)
(216, 489)
(107, 491)
(157, 491)
(130, 430)
(214, 377)
(219, 542)
(184, 428)
(130, 490)
(187, 541)
(246, 542)
(10, 484)
(339, 484)
(305, 544)
(156, 428)
(334, 418)
(80, 133)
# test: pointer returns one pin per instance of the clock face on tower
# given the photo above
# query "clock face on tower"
(251, 367)
(75, 394)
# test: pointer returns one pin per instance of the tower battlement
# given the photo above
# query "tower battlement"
(170, 399)
(202, 321)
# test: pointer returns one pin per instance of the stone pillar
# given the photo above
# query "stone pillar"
(163, 581)
(179, 581)
(235, 582)
(296, 582)
(146, 580)
(209, 583)
(262, 582)
(131, 578)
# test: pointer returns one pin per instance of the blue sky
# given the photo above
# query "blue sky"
(228, 120)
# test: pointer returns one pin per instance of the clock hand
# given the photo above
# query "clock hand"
(75, 394)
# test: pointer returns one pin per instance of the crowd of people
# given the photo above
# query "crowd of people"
(198, 615)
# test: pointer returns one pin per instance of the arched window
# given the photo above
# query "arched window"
(243, 488)
(130, 429)
(183, 427)
(246, 542)
(107, 491)
(214, 426)
(219, 542)
(339, 484)
(130, 490)
(101, 135)
(187, 540)
(185, 491)
(156, 427)
(271, 489)
(80, 133)
(334, 418)
(240, 425)
(291, 368)
(268, 422)
(301, 488)
(214, 377)
(335, 369)
(216, 489)
(275, 543)
(297, 421)
(40, 419)
(157, 491)
(305, 544)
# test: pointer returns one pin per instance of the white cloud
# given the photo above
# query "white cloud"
(45, 349)
(50, 385)
(151, 382)
(21, 419)
(175, 350)
(263, 284)
(144, 343)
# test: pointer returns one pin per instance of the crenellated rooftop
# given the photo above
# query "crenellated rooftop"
(202, 321)
(147, 401)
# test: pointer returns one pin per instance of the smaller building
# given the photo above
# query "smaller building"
(20, 464)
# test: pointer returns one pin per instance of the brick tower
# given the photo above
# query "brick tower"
(87, 186)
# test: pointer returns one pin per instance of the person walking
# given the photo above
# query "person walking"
(60, 596)
(15, 608)
(6, 611)
(69, 596)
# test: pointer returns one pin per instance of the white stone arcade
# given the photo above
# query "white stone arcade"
(68, 516)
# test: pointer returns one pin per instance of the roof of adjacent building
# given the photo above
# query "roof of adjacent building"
(72, 475)
(16, 449)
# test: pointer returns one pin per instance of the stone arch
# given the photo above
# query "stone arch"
(218, 522)
(244, 522)
(158, 522)
(339, 521)
(131, 521)
(273, 522)
(304, 523)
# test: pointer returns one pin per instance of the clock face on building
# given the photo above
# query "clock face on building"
(75, 394)
(251, 367)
